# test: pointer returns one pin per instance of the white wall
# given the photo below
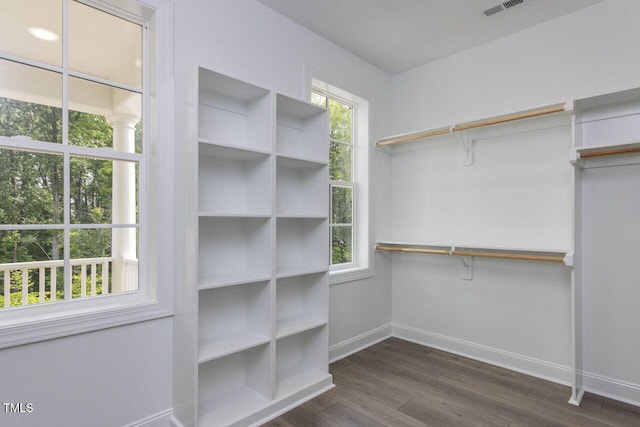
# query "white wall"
(514, 314)
(248, 41)
(107, 378)
(582, 54)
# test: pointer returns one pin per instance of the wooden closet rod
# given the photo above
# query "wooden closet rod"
(414, 136)
(611, 152)
(472, 125)
(528, 257)
(485, 254)
(417, 250)
(511, 117)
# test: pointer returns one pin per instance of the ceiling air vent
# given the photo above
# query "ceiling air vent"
(502, 6)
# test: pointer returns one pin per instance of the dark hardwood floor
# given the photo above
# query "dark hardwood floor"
(398, 383)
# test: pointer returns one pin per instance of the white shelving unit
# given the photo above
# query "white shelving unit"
(607, 171)
(252, 298)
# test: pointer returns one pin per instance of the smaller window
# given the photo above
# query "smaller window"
(348, 177)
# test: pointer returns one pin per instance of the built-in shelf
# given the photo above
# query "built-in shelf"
(234, 342)
(254, 251)
(300, 187)
(232, 279)
(233, 113)
(233, 318)
(297, 307)
(302, 244)
(302, 130)
(233, 180)
(231, 246)
(300, 359)
(232, 387)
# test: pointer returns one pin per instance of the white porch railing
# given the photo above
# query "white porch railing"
(47, 277)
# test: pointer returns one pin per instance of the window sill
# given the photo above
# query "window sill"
(349, 275)
(39, 325)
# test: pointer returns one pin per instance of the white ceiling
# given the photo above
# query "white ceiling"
(397, 35)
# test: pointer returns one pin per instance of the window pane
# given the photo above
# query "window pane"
(30, 102)
(104, 116)
(31, 267)
(341, 205)
(341, 244)
(32, 29)
(340, 121)
(30, 188)
(104, 45)
(103, 191)
(340, 162)
(111, 254)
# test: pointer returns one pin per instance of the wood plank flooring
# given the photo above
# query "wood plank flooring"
(401, 384)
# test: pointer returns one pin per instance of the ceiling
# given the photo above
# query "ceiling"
(397, 35)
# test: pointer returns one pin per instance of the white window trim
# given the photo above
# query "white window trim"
(363, 267)
(23, 325)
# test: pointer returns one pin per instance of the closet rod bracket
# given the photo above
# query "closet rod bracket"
(466, 145)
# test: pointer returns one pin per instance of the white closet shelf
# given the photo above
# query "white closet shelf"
(216, 348)
(232, 279)
(303, 270)
(232, 407)
(486, 252)
(551, 109)
(213, 214)
(299, 162)
(302, 216)
(295, 325)
(213, 148)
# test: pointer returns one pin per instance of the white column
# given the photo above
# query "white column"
(123, 243)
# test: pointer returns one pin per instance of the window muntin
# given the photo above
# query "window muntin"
(67, 232)
(341, 176)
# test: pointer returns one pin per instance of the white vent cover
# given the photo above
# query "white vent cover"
(502, 6)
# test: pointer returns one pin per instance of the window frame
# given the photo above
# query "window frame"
(361, 266)
(153, 299)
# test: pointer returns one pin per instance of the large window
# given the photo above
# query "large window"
(348, 176)
(76, 117)
(71, 90)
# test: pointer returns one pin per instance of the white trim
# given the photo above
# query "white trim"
(359, 342)
(351, 274)
(155, 420)
(291, 404)
(56, 325)
(516, 362)
(174, 422)
(362, 171)
(614, 389)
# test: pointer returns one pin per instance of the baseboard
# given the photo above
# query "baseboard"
(160, 419)
(611, 388)
(359, 342)
(513, 361)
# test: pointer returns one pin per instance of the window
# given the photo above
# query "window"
(348, 176)
(75, 121)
